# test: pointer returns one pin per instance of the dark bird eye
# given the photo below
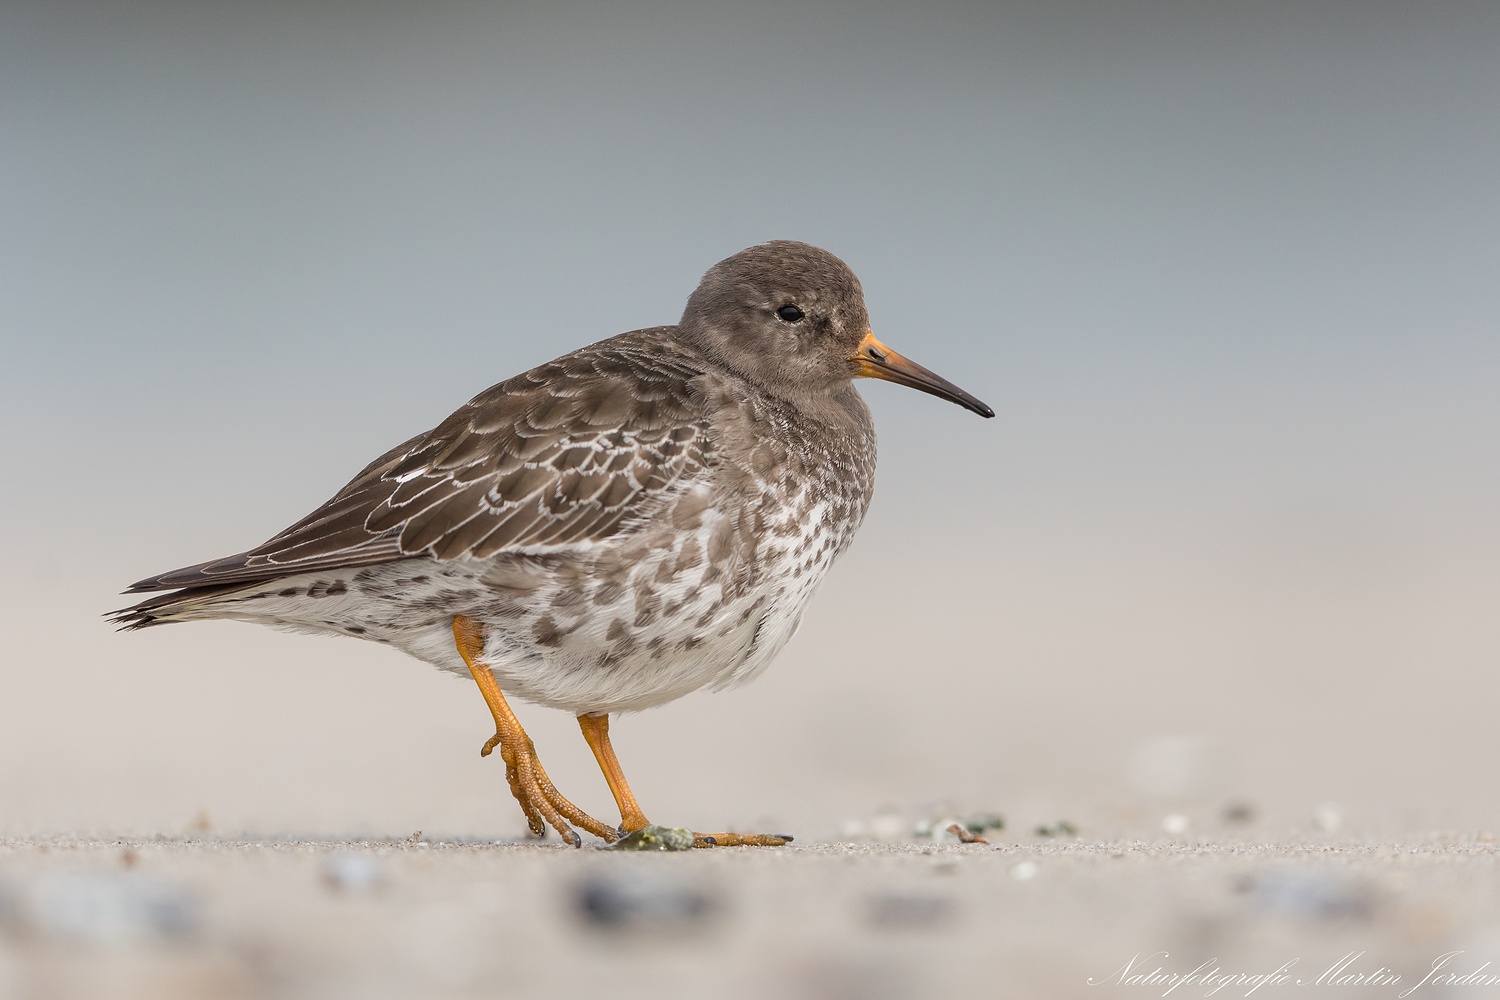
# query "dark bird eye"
(790, 313)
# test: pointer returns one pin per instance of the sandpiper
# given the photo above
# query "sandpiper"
(641, 518)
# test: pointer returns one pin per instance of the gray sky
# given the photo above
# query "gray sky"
(1228, 272)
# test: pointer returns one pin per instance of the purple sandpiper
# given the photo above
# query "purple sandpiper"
(641, 518)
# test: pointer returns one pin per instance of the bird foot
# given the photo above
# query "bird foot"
(637, 831)
(651, 837)
(540, 800)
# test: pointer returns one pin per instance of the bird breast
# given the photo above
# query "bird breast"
(704, 594)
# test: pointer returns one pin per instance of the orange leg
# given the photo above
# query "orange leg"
(596, 732)
(540, 800)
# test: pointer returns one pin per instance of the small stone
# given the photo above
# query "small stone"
(109, 909)
(965, 835)
(942, 829)
(1239, 813)
(643, 904)
(1062, 828)
(983, 822)
(1176, 824)
(937, 825)
(1329, 817)
(1302, 892)
(1024, 871)
(350, 872)
(655, 838)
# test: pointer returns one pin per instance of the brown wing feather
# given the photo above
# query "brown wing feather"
(565, 455)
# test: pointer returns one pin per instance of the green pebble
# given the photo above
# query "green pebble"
(655, 838)
(980, 822)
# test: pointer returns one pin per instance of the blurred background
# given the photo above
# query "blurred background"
(1228, 273)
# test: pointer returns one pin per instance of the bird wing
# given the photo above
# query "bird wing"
(562, 457)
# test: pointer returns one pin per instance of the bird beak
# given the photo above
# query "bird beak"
(875, 360)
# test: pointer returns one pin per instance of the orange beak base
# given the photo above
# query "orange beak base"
(875, 360)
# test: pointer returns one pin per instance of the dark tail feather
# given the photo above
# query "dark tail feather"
(155, 610)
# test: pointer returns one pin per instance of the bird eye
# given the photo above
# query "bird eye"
(790, 313)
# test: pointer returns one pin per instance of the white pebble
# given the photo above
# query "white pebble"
(350, 872)
(1175, 823)
(1329, 817)
(108, 909)
(939, 831)
(1024, 871)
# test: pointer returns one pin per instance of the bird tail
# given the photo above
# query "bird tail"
(164, 609)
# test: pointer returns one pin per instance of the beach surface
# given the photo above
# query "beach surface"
(212, 916)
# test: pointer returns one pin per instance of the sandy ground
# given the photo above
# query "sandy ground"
(1270, 813)
(163, 918)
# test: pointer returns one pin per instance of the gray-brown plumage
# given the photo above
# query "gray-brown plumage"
(634, 520)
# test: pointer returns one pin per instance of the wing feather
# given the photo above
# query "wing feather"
(566, 455)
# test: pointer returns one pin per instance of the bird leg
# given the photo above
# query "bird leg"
(540, 800)
(596, 731)
(632, 818)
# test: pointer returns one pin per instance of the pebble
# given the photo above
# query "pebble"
(655, 838)
(1062, 828)
(1329, 817)
(1176, 824)
(971, 828)
(1308, 893)
(347, 871)
(101, 909)
(1239, 812)
(636, 903)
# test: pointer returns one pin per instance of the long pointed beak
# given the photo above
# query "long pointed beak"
(875, 360)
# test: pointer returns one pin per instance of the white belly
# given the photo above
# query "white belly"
(706, 632)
